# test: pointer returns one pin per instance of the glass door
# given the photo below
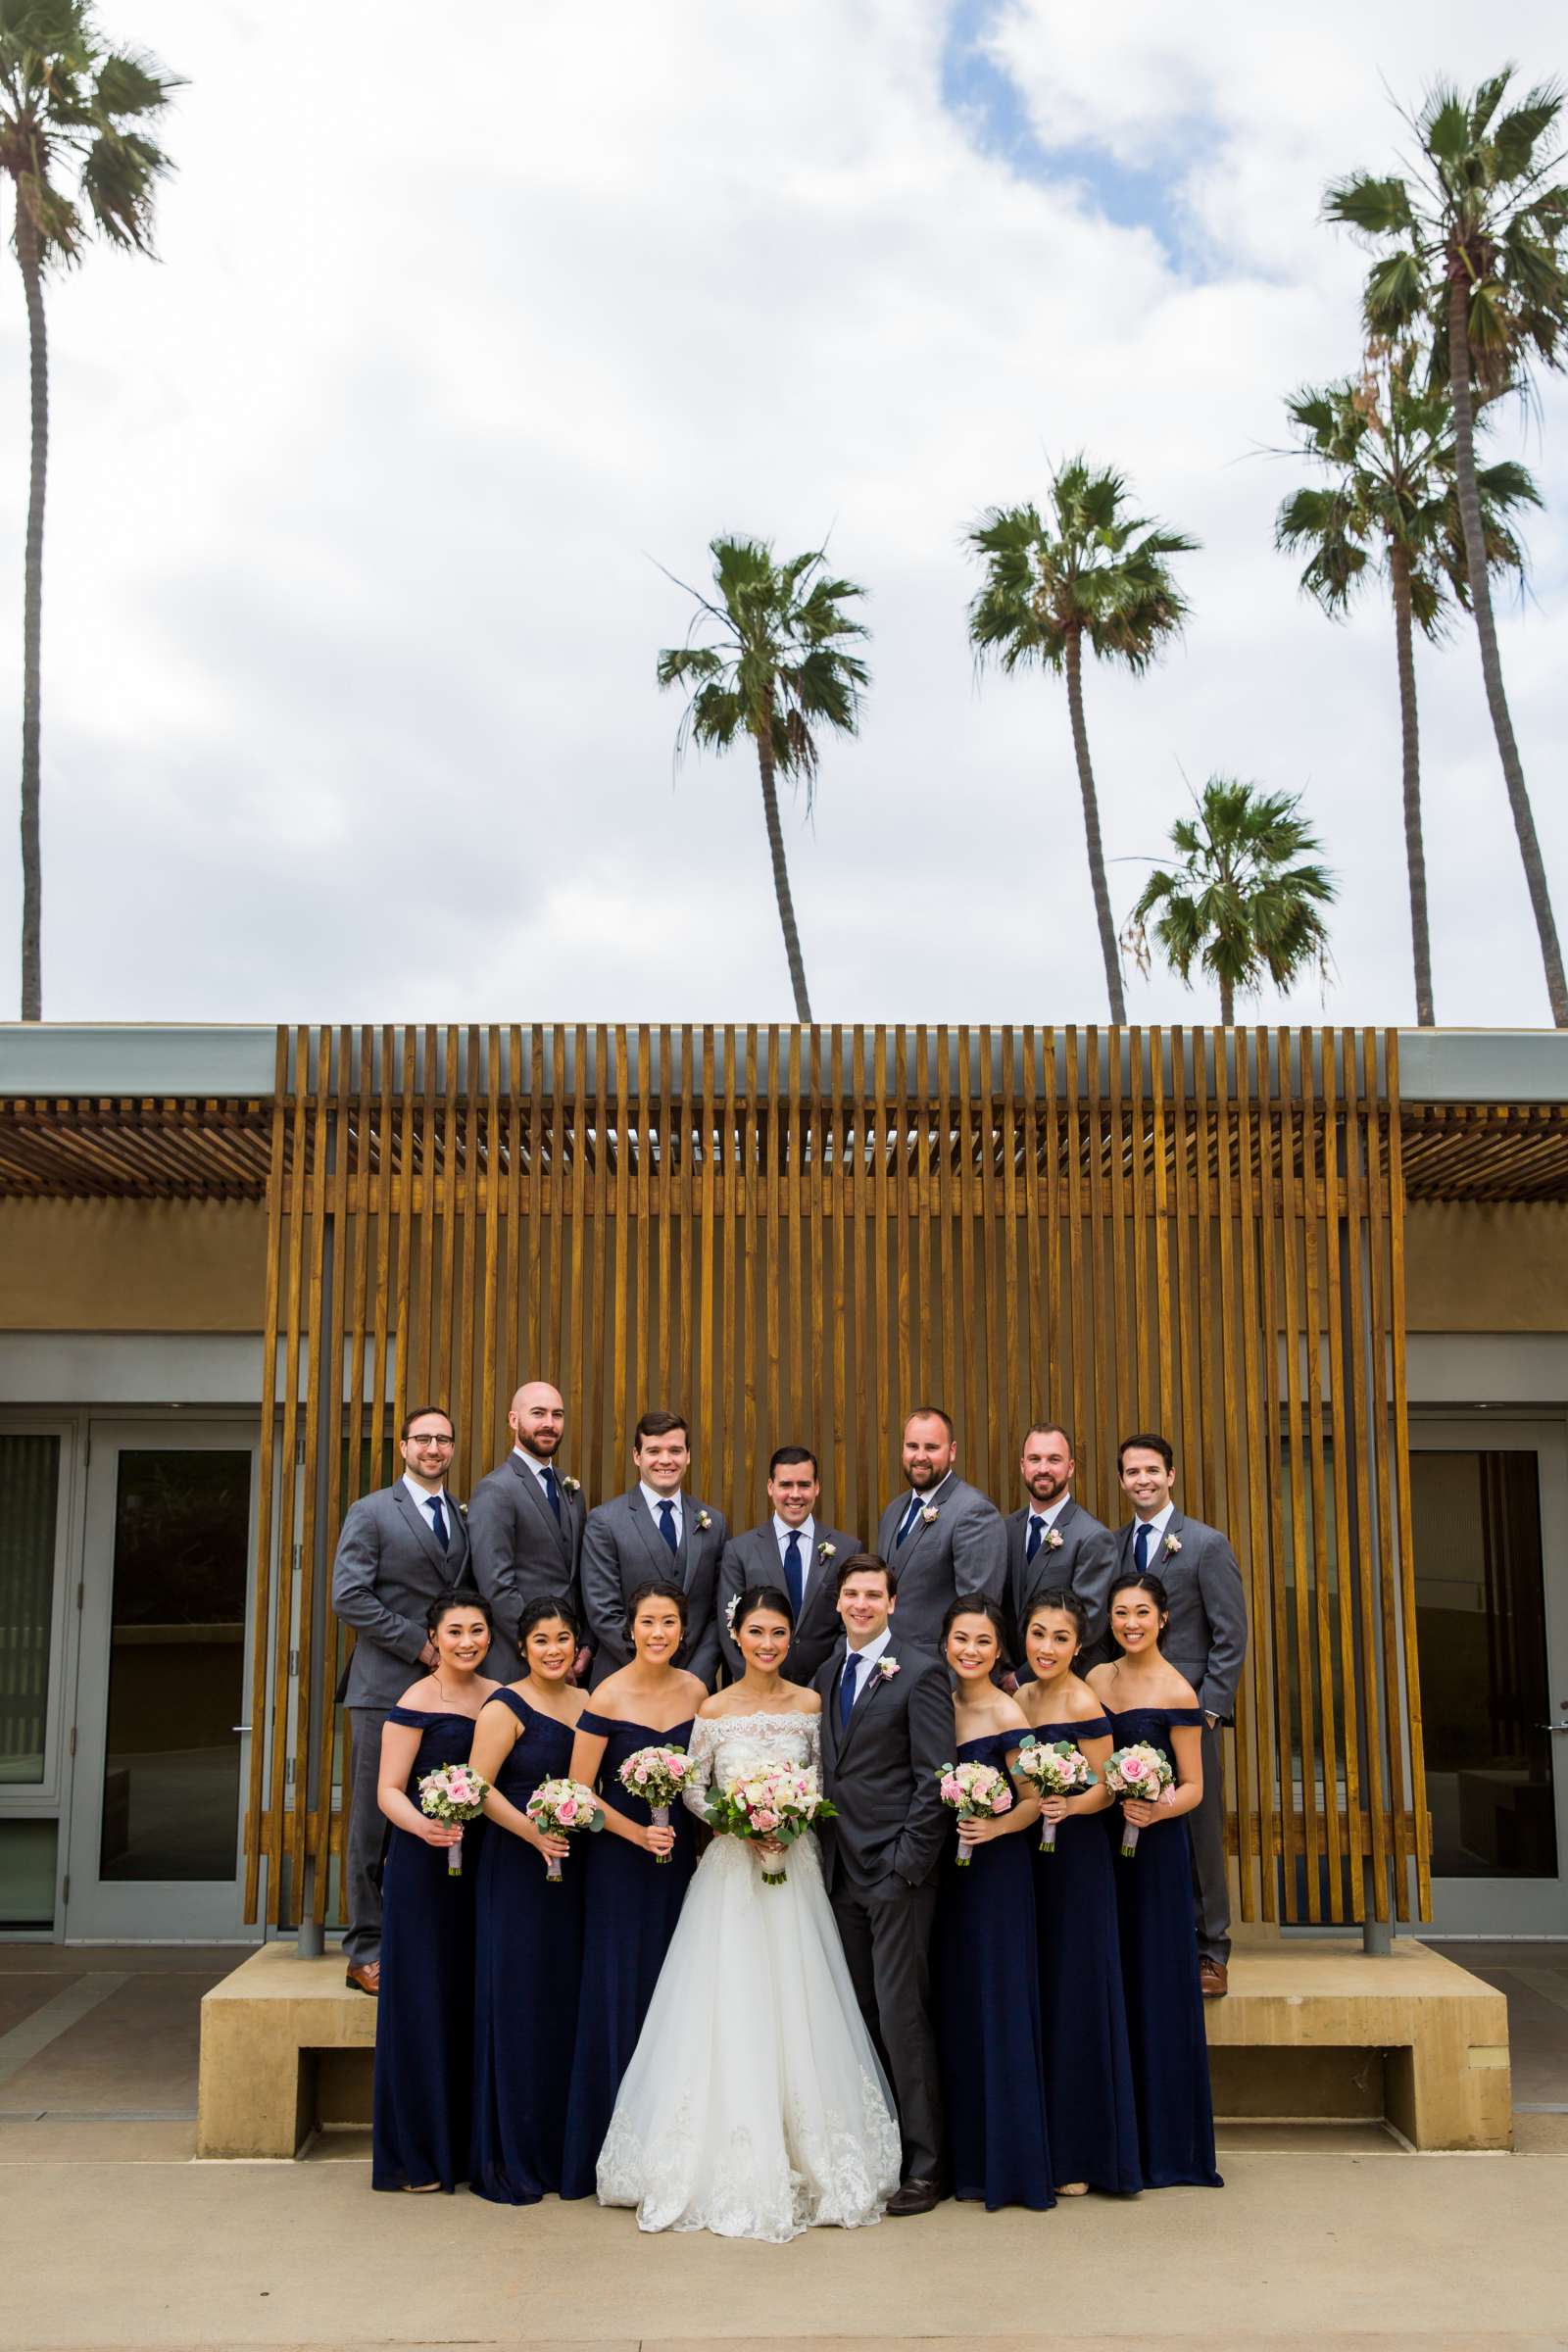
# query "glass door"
(162, 1684)
(1490, 1503)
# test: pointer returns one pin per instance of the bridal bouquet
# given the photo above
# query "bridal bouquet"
(1056, 1768)
(452, 1792)
(658, 1774)
(563, 1807)
(773, 1807)
(1138, 1771)
(976, 1792)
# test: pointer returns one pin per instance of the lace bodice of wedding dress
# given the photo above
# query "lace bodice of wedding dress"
(754, 2105)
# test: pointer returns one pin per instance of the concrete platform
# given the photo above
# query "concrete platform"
(1309, 2032)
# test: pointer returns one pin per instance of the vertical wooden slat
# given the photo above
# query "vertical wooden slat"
(1208, 1460)
(1337, 1224)
(497, 1154)
(1165, 1418)
(967, 1407)
(1104, 1367)
(905, 1202)
(324, 1122)
(1125, 1334)
(1300, 1554)
(949, 1210)
(1386, 1563)
(1183, 1309)
(349, 1126)
(1314, 1319)
(282, 1628)
(614, 1246)
(707, 1303)
(1270, 1181)
(266, 1470)
(655, 1378)
(1255, 1787)
(1011, 1406)
(1422, 1847)
(1061, 1400)
(451, 1163)
(1366, 1554)
(1077, 1281)
(468, 1461)
(883, 1315)
(1233, 1343)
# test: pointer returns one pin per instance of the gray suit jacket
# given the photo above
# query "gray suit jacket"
(754, 1559)
(388, 1569)
(1083, 1563)
(881, 1772)
(1206, 1637)
(963, 1549)
(520, 1552)
(622, 1548)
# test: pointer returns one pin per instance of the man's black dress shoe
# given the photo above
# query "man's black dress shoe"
(914, 2196)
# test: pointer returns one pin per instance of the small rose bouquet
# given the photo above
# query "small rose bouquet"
(658, 1774)
(563, 1808)
(1056, 1768)
(1138, 1771)
(452, 1792)
(976, 1792)
(772, 1807)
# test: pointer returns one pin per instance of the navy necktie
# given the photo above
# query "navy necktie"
(553, 1489)
(1140, 1547)
(852, 1667)
(438, 1519)
(912, 1513)
(1037, 1536)
(667, 1527)
(794, 1576)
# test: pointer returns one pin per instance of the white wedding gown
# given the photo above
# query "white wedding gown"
(754, 2105)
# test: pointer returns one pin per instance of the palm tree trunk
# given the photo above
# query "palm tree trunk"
(1464, 444)
(781, 880)
(1096, 855)
(1227, 1002)
(1415, 855)
(30, 259)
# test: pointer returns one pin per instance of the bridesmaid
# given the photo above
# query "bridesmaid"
(425, 2017)
(1147, 1699)
(1089, 2083)
(631, 1898)
(530, 1931)
(983, 1948)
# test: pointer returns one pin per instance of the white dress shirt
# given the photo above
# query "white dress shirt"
(807, 1531)
(1156, 1534)
(1049, 1515)
(530, 1462)
(868, 1657)
(424, 1496)
(654, 1501)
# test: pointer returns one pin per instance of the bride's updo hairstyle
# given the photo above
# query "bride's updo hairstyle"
(657, 1590)
(977, 1605)
(761, 1597)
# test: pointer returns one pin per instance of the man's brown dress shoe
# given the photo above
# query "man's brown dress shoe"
(914, 2196)
(363, 1975)
(1213, 1978)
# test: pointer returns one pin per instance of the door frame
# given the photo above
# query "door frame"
(144, 1910)
(1482, 1907)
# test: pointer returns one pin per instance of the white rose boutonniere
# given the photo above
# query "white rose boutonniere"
(573, 1485)
(827, 1551)
(930, 1514)
(703, 1522)
(886, 1668)
(1053, 1539)
(1171, 1546)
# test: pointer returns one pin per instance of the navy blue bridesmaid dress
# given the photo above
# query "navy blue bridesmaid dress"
(631, 1903)
(424, 2015)
(528, 1958)
(1159, 1940)
(987, 2007)
(1089, 2081)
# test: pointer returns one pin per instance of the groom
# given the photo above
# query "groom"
(887, 1731)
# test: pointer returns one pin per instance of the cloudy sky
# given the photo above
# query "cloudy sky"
(468, 320)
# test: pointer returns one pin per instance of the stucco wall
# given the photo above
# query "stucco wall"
(132, 1265)
(1476, 1267)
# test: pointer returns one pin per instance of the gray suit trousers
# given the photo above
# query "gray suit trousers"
(1210, 1886)
(367, 1824)
(887, 1944)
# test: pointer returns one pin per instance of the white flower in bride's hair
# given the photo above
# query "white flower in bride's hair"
(930, 1514)
(1171, 1546)
(730, 1607)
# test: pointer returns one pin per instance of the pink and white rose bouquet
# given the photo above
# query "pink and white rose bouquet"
(772, 1807)
(1138, 1771)
(976, 1791)
(1056, 1768)
(657, 1774)
(452, 1792)
(563, 1808)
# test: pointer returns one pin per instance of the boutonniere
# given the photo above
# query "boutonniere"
(1171, 1546)
(703, 1522)
(572, 1485)
(929, 1514)
(462, 1510)
(886, 1668)
(1053, 1539)
(827, 1551)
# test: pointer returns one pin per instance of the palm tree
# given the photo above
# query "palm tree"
(1473, 249)
(1093, 571)
(781, 666)
(1391, 506)
(1240, 904)
(71, 146)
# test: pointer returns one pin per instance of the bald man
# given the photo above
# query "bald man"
(525, 1524)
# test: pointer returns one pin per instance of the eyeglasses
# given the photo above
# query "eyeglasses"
(420, 1437)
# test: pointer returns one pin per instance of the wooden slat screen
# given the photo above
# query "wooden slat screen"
(795, 1236)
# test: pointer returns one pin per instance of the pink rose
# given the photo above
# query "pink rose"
(1132, 1770)
(953, 1791)
(640, 1774)
(1004, 1799)
(567, 1811)
(765, 1821)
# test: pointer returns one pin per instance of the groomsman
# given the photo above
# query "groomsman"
(655, 1534)
(525, 1524)
(941, 1536)
(793, 1551)
(400, 1549)
(1206, 1639)
(1053, 1544)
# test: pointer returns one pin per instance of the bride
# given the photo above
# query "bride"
(754, 2105)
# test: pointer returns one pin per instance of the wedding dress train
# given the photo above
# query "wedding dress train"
(754, 2105)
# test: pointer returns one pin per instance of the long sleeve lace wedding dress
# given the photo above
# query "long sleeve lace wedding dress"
(754, 2105)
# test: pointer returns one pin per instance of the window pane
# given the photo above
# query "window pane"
(1481, 1628)
(27, 1873)
(29, 1492)
(176, 1665)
